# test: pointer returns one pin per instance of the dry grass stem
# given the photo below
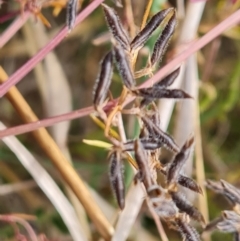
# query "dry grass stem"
(46, 183)
(62, 164)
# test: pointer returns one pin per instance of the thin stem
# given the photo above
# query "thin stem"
(130, 17)
(13, 219)
(60, 162)
(27, 67)
(192, 48)
(157, 222)
(146, 13)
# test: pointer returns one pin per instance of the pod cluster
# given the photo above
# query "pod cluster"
(167, 200)
(229, 221)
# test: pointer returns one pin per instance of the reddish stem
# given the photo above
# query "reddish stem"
(27, 67)
(8, 16)
(13, 28)
(192, 48)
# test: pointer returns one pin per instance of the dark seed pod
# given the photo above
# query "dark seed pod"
(189, 183)
(168, 80)
(71, 13)
(116, 27)
(116, 178)
(184, 206)
(163, 40)
(164, 83)
(162, 138)
(141, 159)
(152, 25)
(178, 162)
(103, 80)
(187, 232)
(147, 144)
(160, 93)
(123, 67)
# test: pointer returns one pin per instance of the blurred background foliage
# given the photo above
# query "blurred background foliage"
(79, 55)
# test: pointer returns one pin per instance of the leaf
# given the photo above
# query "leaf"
(97, 143)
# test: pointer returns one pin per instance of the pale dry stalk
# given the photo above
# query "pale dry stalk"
(60, 162)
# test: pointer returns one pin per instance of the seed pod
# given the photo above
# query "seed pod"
(231, 192)
(141, 159)
(186, 182)
(231, 215)
(116, 27)
(162, 138)
(164, 83)
(187, 232)
(184, 206)
(123, 67)
(227, 226)
(72, 6)
(147, 144)
(160, 93)
(215, 186)
(168, 80)
(189, 183)
(178, 162)
(146, 32)
(163, 40)
(116, 178)
(103, 80)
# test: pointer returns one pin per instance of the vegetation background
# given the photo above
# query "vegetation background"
(63, 82)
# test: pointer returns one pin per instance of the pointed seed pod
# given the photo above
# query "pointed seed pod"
(184, 206)
(123, 66)
(116, 178)
(189, 183)
(178, 162)
(162, 138)
(231, 192)
(103, 80)
(146, 32)
(72, 6)
(164, 83)
(187, 232)
(141, 159)
(168, 80)
(160, 93)
(147, 143)
(116, 27)
(163, 40)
